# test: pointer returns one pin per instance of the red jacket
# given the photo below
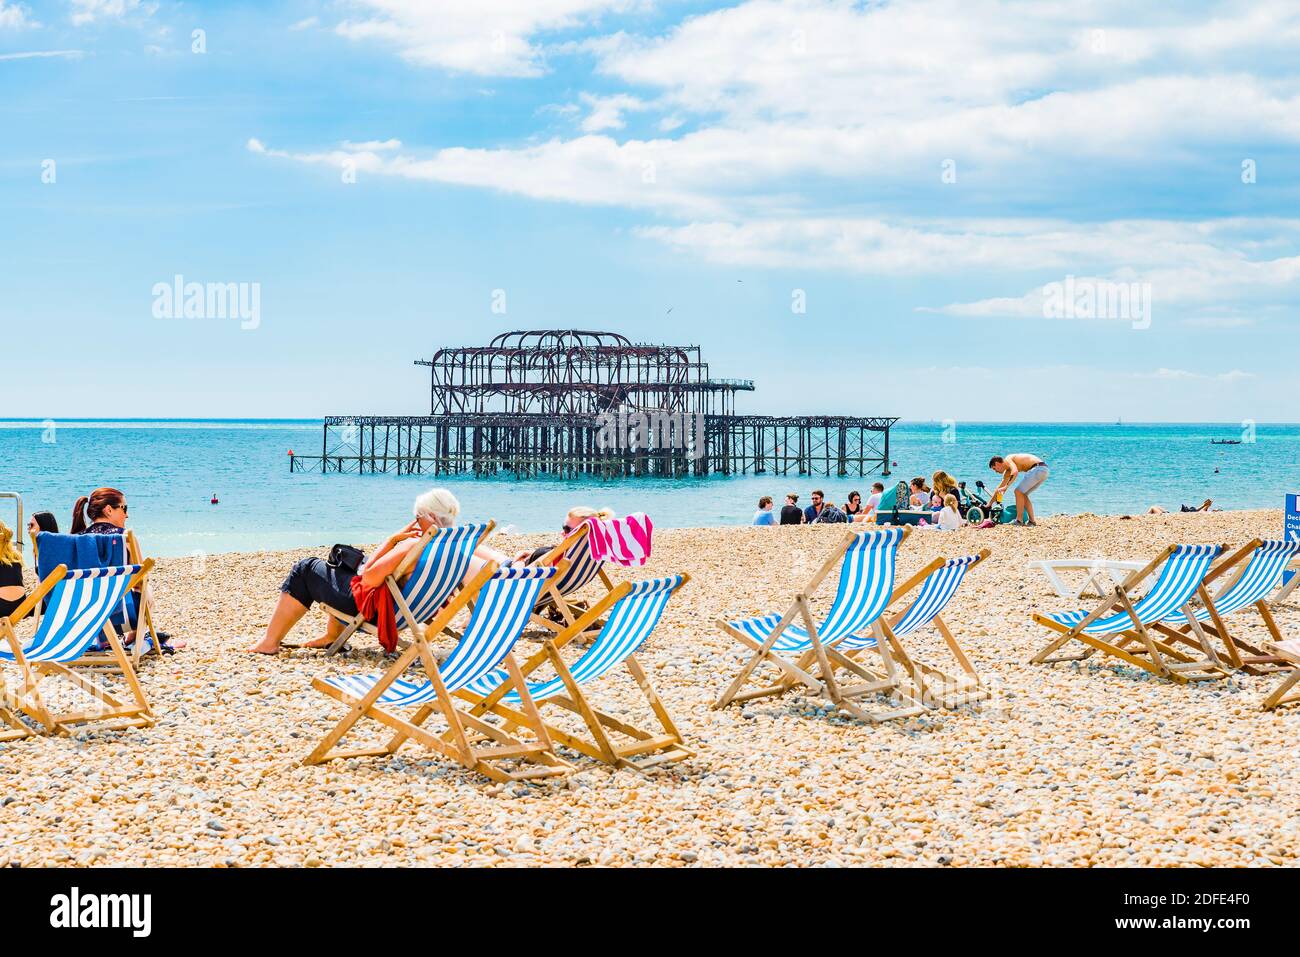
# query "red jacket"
(377, 605)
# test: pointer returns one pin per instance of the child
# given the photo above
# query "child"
(949, 517)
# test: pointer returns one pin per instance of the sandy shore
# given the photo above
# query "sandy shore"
(1074, 765)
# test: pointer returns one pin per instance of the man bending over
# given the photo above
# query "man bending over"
(1032, 472)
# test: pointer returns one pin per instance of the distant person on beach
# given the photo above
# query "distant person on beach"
(41, 522)
(830, 515)
(102, 512)
(1032, 473)
(575, 517)
(1160, 510)
(853, 506)
(791, 513)
(812, 511)
(764, 515)
(12, 591)
(919, 496)
(873, 502)
(949, 516)
(943, 484)
(314, 580)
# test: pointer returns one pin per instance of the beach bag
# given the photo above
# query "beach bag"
(346, 557)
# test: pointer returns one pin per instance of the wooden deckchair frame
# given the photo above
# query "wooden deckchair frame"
(355, 623)
(568, 608)
(661, 748)
(463, 728)
(28, 699)
(1279, 696)
(143, 611)
(826, 658)
(1152, 655)
(1256, 660)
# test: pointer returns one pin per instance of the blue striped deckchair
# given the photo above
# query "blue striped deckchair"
(865, 587)
(1265, 561)
(938, 582)
(575, 570)
(503, 599)
(633, 609)
(136, 613)
(81, 602)
(1119, 620)
(436, 570)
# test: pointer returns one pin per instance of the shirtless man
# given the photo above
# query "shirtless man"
(1032, 472)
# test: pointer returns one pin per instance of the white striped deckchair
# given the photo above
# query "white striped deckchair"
(575, 569)
(81, 602)
(503, 599)
(634, 609)
(1265, 563)
(136, 610)
(436, 570)
(865, 587)
(939, 582)
(1182, 577)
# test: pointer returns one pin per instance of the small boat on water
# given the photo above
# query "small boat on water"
(1225, 441)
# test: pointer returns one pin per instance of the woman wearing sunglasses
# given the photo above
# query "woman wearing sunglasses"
(102, 512)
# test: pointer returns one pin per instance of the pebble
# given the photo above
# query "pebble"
(1073, 766)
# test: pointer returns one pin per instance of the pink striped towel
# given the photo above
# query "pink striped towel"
(622, 540)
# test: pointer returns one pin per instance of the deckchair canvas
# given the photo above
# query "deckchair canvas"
(1258, 567)
(633, 609)
(865, 586)
(436, 568)
(81, 602)
(140, 609)
(575, 569)
(502, 599)
(1121, 626)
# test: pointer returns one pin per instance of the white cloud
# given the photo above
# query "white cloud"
(34, 54)
(15, 16)
(88, 11)
(606, 112)
(1183, 375)
(306, 23)
(486, 37)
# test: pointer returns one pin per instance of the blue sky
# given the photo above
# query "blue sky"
(913, 175)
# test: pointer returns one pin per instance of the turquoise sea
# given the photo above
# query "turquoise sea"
(170, 470)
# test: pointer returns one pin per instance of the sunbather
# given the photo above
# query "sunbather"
(102, 512)
(11, 572)
(313, 579)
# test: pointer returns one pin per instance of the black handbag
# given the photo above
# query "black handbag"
(346, 557)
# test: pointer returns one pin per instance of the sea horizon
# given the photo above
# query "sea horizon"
(171, 468)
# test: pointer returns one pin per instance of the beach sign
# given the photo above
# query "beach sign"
(1291, 528)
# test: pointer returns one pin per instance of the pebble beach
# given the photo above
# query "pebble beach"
(1086, 764)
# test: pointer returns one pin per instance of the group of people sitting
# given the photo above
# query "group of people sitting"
(821, 511)
(939, 497)
(102, 512)
(345, 588)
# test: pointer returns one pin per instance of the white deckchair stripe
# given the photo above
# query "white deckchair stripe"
(440, 568)
(936, 591)
(581, 571)
(501, 612)
(866, 582)
(1263, 573)
(79, 605)
(1181, 573)
(629, 624)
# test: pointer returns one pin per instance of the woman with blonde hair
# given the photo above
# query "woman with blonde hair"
(943, 484)
(11, 573)
(315, 580)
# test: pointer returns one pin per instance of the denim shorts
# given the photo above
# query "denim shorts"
(1031, 479)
